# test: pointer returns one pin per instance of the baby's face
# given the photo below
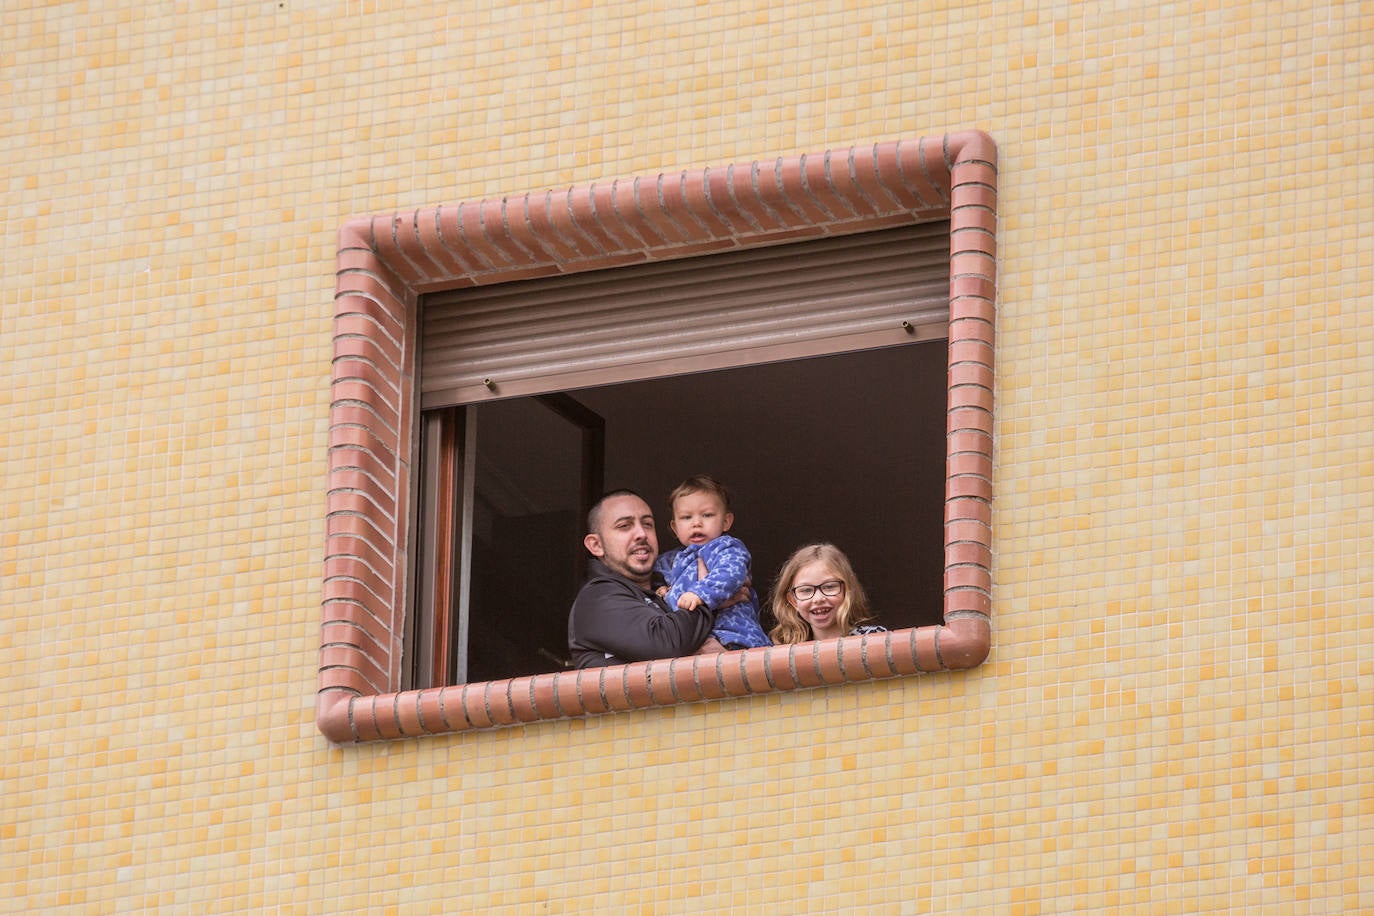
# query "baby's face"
(700, 517)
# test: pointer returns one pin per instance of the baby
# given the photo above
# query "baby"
(711, 566)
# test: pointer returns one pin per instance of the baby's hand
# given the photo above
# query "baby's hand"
(661, 591)
(689, 601)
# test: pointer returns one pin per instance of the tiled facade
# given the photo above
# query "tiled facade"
(1177, 710)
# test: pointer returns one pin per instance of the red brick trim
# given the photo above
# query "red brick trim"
(386, 262)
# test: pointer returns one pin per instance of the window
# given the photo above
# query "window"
(500, 543)
(386, 443)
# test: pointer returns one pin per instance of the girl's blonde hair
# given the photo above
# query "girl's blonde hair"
(852, 612)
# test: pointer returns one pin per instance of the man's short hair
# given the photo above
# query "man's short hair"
(594, 513)
(700, 483)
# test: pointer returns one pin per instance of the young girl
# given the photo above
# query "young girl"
(817, 596)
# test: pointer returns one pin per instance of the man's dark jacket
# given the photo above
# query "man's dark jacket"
(614, 621)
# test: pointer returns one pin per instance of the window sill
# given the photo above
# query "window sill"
(352, 716)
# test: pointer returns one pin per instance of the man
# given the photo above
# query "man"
(616, 617)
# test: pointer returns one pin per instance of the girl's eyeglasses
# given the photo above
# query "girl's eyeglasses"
(829, 589)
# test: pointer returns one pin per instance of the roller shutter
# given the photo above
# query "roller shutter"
(717, 311)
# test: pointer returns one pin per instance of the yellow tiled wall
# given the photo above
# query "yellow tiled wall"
(1178, 711)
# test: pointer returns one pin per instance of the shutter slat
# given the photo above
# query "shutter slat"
(711, 312)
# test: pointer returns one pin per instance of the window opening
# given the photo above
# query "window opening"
(848, 448)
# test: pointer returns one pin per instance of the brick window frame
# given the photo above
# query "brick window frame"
(386, 262)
